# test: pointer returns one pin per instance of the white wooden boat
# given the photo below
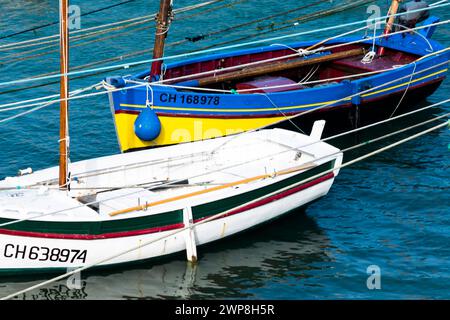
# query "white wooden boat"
(147, 195)
(96, 212)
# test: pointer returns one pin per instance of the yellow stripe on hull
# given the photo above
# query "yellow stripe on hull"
(178, 109)
(184, 129)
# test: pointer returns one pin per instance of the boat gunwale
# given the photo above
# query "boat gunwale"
(216, 112)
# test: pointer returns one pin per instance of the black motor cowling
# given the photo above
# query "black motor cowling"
(409, 19)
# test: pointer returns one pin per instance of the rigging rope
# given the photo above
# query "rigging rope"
(57, 22)
(219, 31)
(232, 28)
(299, 20)
(41, 85)
(112, 24)
(127, 65)
(17, 105)
(404, 92)
(245, 24)
(73, 39)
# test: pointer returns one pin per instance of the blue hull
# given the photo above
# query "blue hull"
(421, 72)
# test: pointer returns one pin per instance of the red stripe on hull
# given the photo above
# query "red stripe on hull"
(90, 236)
(164, 228)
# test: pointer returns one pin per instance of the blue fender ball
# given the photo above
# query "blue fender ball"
(147, 125)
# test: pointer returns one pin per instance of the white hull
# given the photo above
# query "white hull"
(101, 249)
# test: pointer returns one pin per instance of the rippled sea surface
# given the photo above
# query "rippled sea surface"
(391, 210)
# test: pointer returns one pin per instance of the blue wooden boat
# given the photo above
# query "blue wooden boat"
(217, 95)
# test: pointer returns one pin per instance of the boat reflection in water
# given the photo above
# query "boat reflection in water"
(294, 246)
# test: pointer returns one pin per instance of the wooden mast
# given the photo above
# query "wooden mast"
(64, 92)
(392, 11)
(162, 27)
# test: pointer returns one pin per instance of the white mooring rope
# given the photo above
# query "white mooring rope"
(112, 67)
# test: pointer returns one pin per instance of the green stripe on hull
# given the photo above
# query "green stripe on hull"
(101, 227)
(209, 209)
(162, 219)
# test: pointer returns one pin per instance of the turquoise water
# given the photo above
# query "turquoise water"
(390, 210)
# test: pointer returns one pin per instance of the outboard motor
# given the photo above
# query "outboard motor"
(410, 19)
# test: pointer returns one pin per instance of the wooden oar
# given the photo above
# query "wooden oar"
(392, 12)
(276, 67)
(200, 192)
